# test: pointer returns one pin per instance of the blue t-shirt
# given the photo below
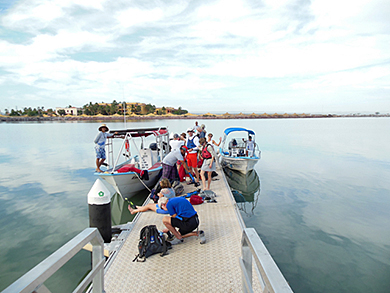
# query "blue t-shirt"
(181, 207)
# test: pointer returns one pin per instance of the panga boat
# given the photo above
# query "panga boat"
(234, 149)
(142, 151)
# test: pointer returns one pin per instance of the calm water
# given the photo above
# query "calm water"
(322, 210)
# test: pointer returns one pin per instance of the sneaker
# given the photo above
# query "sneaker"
(177, 241)
(202, 237)
(170, 236)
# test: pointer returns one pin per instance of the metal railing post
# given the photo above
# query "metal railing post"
(34, 279)
(246, 266)
(272, 279)
(97, 256)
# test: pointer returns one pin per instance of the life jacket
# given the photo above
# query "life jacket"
(191, 144)
(205, 152)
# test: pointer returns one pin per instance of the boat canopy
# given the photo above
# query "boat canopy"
(232, 129)
(141, 132)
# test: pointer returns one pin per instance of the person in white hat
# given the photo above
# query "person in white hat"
(176, 142)
(100, 143)
(192, 143)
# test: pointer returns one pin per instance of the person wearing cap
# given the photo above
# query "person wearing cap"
(100, 143)
(169, 163)
(182, 216)
(201, 132)
(192, 143)
(176, 142)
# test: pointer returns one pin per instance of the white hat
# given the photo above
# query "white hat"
(190, 129)
(103, 125)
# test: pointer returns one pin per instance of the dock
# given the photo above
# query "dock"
(233, 259)
(189, 266)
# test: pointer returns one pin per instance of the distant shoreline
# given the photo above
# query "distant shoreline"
(187, 116)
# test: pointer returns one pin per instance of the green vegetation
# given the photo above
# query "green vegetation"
(92, 109)
(40, 111)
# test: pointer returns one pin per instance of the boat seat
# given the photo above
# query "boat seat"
(235, 152)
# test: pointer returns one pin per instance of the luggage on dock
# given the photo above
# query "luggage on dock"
(207, 194)
(177, 187)
(196, 199)
(151, 241)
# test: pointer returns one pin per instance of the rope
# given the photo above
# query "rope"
(142, 181)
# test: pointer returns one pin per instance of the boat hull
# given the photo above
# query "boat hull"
(241, 164)
(128, 184)
(247, 184)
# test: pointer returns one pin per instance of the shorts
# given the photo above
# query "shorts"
(170, 172)
(186, 226)
(206, 166)
(100, 153)
(192, 160)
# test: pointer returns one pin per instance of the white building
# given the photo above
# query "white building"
(68, 111)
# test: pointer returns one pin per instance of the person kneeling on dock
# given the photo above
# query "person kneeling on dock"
(183, 216)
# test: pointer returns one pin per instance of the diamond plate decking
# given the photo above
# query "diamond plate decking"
(190, 266)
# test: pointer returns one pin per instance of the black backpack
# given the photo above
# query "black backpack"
(151, 242)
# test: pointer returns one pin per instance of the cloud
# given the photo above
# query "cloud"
(96, 49)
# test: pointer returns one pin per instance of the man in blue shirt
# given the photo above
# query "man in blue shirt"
(183, 216)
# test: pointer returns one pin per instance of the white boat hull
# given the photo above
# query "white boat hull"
(241, 164)
(128, 184)
(237, 152)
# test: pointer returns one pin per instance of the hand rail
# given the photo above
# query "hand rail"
(35, 278)
(253, 248)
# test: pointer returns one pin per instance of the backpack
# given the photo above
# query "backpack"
(177, 187)
(151, 242)
(153, 196)
(196, 199)
(207, 194)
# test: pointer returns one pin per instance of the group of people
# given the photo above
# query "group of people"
(187, 150)
(179, 212)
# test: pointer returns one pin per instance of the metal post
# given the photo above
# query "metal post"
(97, 256)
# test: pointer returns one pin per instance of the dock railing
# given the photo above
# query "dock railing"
(252, 248)
(33, 280)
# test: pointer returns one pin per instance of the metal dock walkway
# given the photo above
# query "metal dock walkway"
(190, 266)
(233, 259)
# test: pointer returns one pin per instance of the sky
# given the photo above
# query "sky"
(250, 56)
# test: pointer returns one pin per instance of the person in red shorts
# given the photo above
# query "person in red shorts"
(192, 143)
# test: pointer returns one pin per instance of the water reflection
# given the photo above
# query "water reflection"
(245, 189)
(119, 211)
